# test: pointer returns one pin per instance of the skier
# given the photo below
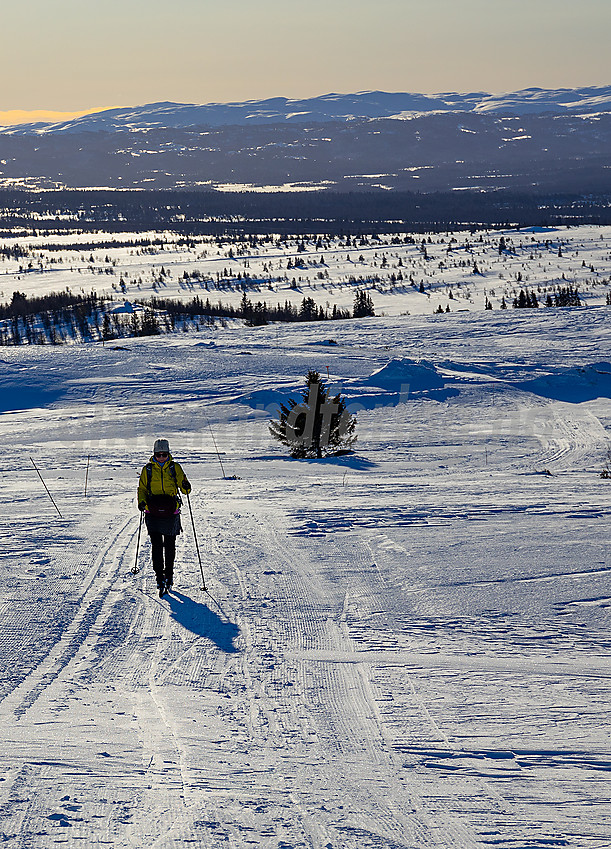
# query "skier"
(159, 499)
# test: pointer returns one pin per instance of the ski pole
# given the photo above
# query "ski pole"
(201, 568)
(135, 570)
(47, 488)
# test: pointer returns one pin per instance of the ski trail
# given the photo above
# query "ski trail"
(473, 808)
(571, 437)
(89, 620)
(283, 722)
(55, 695)
(161, 808)
(328, 710)
(110, 661)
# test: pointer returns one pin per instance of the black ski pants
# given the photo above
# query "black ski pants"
(164, 552)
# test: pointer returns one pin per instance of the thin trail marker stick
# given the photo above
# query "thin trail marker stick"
(47, 488)
(215, 445)
(87, 475)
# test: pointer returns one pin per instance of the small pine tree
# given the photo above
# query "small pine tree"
(363, 305)
(135, 325)
(150, 324)
(107, 331)
(526, 300)
(317, 426)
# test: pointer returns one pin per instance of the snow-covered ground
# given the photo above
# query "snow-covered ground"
(403, 647)
(410, 273)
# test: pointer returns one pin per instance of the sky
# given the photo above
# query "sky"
(76, 56)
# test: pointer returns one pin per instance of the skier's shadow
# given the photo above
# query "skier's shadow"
(200, 620)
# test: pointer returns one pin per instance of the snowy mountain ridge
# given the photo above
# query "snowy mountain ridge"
(328, 107)
(535, 140)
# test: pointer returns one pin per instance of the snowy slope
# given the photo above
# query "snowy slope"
(403, 647)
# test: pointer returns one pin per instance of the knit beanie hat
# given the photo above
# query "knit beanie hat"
(161, 445)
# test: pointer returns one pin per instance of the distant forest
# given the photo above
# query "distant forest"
(67, 317)
(332, 213)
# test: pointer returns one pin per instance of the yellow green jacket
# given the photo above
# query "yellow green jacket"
(162, 480)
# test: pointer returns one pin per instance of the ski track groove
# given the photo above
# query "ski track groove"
(340, 707)
(89, 617)
(569, 435)
(486, 803)
(159, 740)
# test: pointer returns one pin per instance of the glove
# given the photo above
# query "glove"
(186, 486)
(142, 506)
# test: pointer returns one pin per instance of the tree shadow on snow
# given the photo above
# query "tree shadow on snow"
(349, 461)
(200, 620)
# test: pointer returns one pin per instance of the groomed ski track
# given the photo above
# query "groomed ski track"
(403, 649)
(216, 708)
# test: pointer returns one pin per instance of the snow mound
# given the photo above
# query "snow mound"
(575, 385)
(126, 308)
(401, 372)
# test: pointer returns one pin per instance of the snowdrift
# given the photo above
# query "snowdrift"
(575, 385)
(401, 373)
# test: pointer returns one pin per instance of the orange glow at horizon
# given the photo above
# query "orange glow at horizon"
(32, 116)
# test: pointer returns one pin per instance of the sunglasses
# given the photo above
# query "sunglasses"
(161, 453)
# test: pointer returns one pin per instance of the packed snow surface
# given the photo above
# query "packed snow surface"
(407, 646)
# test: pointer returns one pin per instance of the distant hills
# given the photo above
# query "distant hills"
(329, 108)
(534, 140)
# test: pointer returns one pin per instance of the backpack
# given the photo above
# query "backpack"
(161, 506)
